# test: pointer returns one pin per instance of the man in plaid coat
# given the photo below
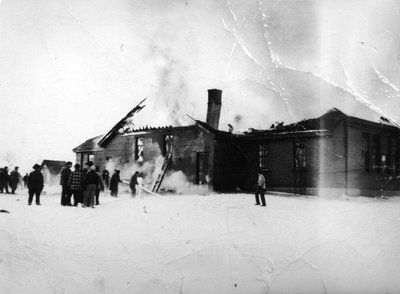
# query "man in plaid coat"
(75, 183)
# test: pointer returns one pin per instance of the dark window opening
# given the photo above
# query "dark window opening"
(365, 151)
(202, 177)
(263, 156)
(385, 154)
(85, 157)
(376, 153)
(300, 156)
(396, 156)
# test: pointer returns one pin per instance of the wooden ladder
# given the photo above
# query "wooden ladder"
(164, 168)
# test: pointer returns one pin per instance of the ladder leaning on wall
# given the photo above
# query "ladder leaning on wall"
(164, 168)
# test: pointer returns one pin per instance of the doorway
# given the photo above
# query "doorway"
(202, 176)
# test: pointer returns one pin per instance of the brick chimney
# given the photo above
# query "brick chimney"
(214, 107)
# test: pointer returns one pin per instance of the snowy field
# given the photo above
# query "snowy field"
(200, 244)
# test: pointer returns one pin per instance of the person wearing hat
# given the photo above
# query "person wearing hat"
(85, 170)
(14, 179)
(75, 183)
(35, 184)
(114, 181)
(91, 183)
(66, 191)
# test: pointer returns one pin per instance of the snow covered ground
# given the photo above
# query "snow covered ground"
(200, 244)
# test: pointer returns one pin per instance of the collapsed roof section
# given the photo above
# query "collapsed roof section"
(122, 126)
(319, 126)
(323, 124)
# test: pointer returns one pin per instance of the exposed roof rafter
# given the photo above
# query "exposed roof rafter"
(113, 132)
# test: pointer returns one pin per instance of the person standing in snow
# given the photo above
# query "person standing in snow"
(114, 181)
(261, 188)
(91, 182)
(4, 179)
(100, 186)
(25, 180)
(106, 179)
(14, 179)
(75, 182)
(35, 184)
(85, 170)
(133, 183)
(66, 192)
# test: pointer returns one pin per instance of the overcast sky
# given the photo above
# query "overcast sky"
(70, 69)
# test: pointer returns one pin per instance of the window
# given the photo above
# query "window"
(385, 154)
(365, 150)
(263, 156)
(167, 144)
(85, 157)
(139, 144)
(376, 153)
(395, 165)
(300, 155)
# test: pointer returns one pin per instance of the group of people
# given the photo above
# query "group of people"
(11, 180)
(86, 184)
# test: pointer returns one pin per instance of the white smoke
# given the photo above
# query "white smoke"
(177, 182)
(149, 171)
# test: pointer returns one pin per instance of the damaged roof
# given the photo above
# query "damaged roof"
(120, 125)
(211, 130)
(325, 123)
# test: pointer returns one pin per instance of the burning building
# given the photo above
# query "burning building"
(196, 150)
(333, 153)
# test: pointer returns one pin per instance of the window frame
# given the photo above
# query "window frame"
(303, 159)
(166, 143)
(139, 153)
(366, 150)
(263, 156)
(376, 153)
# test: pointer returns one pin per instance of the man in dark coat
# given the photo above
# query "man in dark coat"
(91, 183)
(66, 191)
(1, 180)
(133, 183)
(25, 179)
(35, 184)
(100, 186)
(14, 179)
(106, 179)
(75, 183)
(4, 179)
(114, 181)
